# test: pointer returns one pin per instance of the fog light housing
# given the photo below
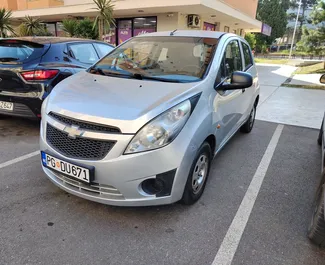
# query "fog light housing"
(160, 186)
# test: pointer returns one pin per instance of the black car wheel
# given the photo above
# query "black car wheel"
(248, 125)
(316, 230)
(320, 135)
(198, 175)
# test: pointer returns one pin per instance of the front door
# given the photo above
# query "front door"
(228, 105)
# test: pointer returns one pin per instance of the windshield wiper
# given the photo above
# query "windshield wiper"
(8, 59)
(132, 75)
(147, 77)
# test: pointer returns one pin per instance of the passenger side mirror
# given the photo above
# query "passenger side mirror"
(322, 79)
(238, 80)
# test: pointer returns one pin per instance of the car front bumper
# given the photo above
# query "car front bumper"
(118, 178)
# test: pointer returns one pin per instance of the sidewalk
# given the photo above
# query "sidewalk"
(306, 79)
(293, 106)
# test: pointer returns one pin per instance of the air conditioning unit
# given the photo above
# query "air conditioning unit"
(193, 21)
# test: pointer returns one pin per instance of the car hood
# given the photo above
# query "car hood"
(126, 103)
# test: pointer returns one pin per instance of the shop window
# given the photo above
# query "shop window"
(209, 27)
(142, 25)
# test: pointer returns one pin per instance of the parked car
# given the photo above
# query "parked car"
(316, 230)
(31, 66)
(142, 125)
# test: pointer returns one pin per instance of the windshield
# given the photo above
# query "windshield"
(178, 59)
(19, 51)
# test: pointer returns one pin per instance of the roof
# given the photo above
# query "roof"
(48, 40)
(187, 33)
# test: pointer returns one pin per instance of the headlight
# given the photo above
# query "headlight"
(162, 130)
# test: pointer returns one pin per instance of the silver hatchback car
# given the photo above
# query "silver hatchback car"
(142, 126)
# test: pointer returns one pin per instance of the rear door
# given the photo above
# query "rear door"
(83, 54)
(17, 56)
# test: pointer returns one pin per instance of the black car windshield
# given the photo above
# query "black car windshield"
(12, 50)
(176, 59)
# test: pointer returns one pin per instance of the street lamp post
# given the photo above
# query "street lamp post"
(294, 31)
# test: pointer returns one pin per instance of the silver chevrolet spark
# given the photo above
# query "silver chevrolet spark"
(142, 125)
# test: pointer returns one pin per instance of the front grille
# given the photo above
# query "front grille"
(85, 125)
(79, 148)
(100, 190)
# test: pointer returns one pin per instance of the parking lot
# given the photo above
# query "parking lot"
(255, 210)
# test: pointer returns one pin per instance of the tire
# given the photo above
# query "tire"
(316, 230)
(198, 175)
(320, 135)
(248, 125)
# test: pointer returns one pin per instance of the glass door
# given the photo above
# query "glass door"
(124, 30)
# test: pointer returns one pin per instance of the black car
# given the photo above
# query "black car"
(316, 230)
(31, 66)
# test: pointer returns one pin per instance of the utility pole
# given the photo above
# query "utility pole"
(294, 31)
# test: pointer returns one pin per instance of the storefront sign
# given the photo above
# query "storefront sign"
(110, 37)
(209, 26)
(137, 32)
(266, 30)
(123, 35)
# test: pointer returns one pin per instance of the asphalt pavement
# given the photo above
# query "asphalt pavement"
(41, 224)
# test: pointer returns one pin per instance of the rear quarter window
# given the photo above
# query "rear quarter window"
(20, 51)
(247, 56)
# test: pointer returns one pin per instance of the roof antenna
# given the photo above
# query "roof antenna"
(172, 33)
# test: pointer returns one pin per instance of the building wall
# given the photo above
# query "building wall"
(9, 4)
(248, 7)
(21, 4)
(31, 4)
(167, 22)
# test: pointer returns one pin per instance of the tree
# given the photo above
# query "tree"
(273, 13)
(32, 25)
(312, 40)
(302, 18)
(104, 20)
(70, 27)
(250, 38)
(5, 22)
(86, 30)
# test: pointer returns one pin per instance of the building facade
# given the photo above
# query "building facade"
(134, 17)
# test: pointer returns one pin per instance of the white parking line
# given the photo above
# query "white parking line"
(231, 241)
(18, 159)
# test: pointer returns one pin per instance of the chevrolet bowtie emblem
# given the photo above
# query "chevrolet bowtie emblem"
(73, 131)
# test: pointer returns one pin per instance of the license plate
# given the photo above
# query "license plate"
(6, 105)
(78, 172)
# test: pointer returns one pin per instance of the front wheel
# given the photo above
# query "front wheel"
(198, 175)
(320, 135)
(248, 125)
(316, 230)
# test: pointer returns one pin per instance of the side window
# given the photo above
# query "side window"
(83, 52)
(247, 56)
(232, 58)
(103, 49)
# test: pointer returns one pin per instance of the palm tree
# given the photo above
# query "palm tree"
(32, 25)
(105, 17)
(70, 26)
(5, 22)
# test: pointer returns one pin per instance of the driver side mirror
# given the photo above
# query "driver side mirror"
(238, 80)
(322, 79)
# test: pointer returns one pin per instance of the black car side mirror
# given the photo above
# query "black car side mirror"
(238, 80)
(322, 79)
